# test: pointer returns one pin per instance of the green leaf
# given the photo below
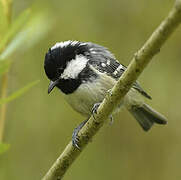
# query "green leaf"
(37, 26)
(14, 28)
(18, 93)
(3, 148)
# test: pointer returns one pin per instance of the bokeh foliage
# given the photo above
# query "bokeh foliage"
(38, 125)
(14, 34)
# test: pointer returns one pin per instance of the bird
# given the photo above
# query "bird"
(84, 72)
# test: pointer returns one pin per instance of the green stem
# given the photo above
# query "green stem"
(4, 106)
(7, 5)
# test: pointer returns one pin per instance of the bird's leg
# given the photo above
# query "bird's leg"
(75, 138)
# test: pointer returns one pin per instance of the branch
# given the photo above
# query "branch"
(112, 99)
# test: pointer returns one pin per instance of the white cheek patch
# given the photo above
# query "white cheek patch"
(74, 67)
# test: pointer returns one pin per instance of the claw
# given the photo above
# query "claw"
(109, 92)
(94, 109)
(75, 138)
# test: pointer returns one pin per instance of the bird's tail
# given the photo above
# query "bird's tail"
(146, 116)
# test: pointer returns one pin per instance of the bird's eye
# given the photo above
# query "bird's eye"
(60, 70)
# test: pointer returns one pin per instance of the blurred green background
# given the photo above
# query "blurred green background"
(38, 125)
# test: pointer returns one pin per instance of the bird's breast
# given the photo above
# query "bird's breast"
(89, 93)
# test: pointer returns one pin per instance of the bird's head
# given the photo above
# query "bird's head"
(63, 63)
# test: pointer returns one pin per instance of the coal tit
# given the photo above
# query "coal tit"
(84, 72)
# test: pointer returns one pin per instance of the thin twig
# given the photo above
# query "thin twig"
(135, 68)
(7, 5)
(4, 81)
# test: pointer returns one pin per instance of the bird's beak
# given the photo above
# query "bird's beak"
(52, 85)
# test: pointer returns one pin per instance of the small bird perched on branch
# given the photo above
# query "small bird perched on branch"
(84, 72)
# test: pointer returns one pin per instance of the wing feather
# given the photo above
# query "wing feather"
(104, 61)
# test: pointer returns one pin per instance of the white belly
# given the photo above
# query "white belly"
(87, 94)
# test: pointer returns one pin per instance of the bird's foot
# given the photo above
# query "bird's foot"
(75, 138)
(109, 92)
(94, 109)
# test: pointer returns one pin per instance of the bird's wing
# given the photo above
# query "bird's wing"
(105, 62)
